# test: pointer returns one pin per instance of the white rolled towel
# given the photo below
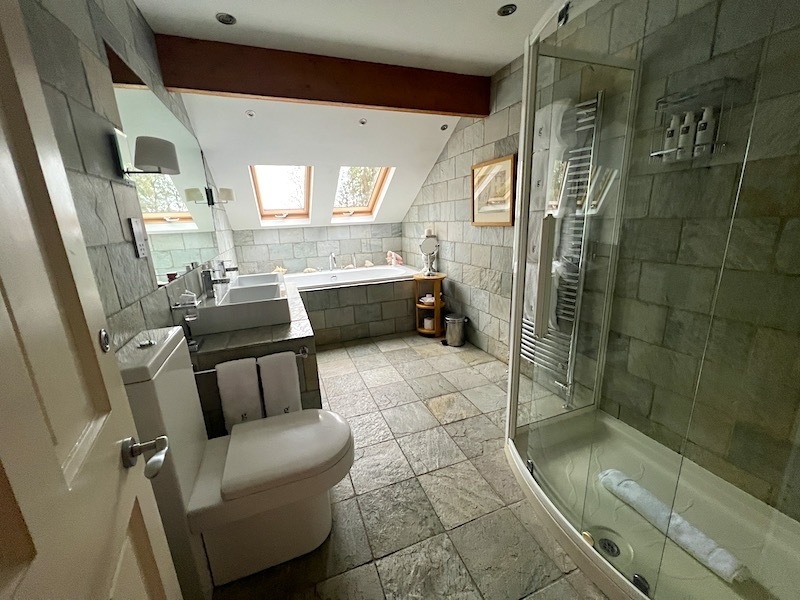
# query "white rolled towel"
(280, 382)
(704, 549)
(237, 381)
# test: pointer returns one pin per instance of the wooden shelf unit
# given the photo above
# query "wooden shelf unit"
(431, 284)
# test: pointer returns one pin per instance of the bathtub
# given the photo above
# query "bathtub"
(321, 280)
(350, 304)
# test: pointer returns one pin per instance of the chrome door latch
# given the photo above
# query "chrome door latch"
(131, 450)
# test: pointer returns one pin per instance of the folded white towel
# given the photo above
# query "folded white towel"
(280, 382)
(237, 381)
(679, 530)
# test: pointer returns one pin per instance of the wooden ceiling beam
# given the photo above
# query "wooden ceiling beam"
(189, 65)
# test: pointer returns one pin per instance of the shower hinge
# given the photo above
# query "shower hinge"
(529, 466)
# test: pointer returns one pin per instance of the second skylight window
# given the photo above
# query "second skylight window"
(359, 190)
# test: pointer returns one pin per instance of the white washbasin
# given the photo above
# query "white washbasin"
(242, 308)
(256, 279)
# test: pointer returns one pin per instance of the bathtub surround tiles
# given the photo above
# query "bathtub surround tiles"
(477, 260)
(361, 311)
(678, 243)
(296, 249)
(428, 514)
(68, 47)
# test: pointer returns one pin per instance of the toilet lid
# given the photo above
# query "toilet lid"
(275, 451)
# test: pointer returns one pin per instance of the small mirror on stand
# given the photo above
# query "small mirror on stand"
(429, 248)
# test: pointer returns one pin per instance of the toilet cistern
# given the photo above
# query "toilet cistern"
(332, 261)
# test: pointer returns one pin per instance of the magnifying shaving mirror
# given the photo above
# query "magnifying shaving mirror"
(429, 248)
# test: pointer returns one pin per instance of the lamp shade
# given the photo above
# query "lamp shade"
(154, 155)
(195, 195)
(226, 195)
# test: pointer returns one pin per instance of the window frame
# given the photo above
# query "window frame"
(167, 218)
(290, 213)
(377, 191)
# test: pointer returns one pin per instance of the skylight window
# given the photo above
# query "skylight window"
(359, 189)
(160, 200)
(282, 190)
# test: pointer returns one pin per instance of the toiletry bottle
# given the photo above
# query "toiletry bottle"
(671, 138)
(686, 137)
(703, 143)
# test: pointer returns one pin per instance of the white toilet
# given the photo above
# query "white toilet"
(240, 503)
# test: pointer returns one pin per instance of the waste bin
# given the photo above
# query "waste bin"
(454, 325)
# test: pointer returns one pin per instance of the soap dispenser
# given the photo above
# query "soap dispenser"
(686, 137)
(705, 133)
(671, 139)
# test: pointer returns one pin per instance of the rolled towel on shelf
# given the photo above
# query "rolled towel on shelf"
(280, 382)
(237, 381)
(701, 547)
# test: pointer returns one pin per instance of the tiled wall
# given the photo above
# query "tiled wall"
(171, 252)
(476, 260)
(68, 44)
(360, 311)
(296, 248)
(678, 230)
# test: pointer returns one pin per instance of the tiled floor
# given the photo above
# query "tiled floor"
(430, 508)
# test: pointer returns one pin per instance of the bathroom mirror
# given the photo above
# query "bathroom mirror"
(180, 231)
(429, 248)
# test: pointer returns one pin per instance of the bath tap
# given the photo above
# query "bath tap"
(209, 281)
(332, 261)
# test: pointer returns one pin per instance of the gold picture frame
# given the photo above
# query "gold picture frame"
(493, 188)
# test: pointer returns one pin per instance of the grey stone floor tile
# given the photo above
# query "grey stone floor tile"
(495, 371)
(474, 356)
(414, 368)
(361, 583)
(494, 468)
(502, 557)
(379, 465)
(343, 490)
(361, 348)
(346, 546)
(381, 376)
(528, 517)
(393, 394)
(397, 516)
(353, 404)
(447, 362)
(476, 436)
(402, 356)
(467, 378)
(370, 361)
(498, 417)
(431, 350)
(459, 494)
(329, 354)
(409, 418)
(431, 386)
(341, 385)
(369, 429)
(585, 588)
(560, 590)
(487, 397)
(429, 569)
(336, 368)
(387, 345)
(451, 407)
(430, 450)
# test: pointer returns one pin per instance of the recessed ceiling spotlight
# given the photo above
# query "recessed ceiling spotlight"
(226, 19)
(507, 9)
(444, 127)
(362, 122)
(250, 113)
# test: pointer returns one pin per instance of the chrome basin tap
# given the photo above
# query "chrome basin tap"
(209, 281)
(332, 261)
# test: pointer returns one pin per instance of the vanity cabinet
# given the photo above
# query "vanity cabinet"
(429, 284)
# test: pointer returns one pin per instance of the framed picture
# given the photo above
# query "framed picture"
(493, 192)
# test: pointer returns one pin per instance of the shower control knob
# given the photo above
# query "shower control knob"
(131, 450)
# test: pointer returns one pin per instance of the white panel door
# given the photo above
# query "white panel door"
(75, 523)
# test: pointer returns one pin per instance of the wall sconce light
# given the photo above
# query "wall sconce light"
(225, 195)
(207, 195)
(154, 155)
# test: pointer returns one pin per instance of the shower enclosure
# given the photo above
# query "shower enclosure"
(655, 352)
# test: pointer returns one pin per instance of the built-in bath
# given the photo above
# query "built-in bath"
(348, 304)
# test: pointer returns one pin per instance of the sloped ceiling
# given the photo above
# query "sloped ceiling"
(325, 137)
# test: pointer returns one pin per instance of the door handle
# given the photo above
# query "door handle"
(131, 451)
